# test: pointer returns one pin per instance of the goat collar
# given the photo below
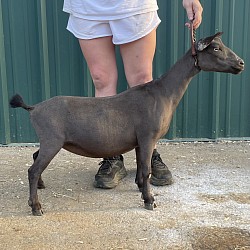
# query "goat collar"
(193, 40)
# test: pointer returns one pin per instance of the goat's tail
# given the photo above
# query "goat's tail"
(17, 102)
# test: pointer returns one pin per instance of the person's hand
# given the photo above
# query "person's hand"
(194, 12)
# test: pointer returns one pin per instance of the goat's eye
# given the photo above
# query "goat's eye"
(216, 49)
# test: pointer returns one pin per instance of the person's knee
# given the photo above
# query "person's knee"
(105, 82)
(139, 77)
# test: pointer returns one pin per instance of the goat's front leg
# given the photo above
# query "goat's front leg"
(144, 172)
(138, 178)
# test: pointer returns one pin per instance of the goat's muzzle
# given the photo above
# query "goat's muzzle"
(239, 67)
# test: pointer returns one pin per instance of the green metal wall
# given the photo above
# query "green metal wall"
(39, 59)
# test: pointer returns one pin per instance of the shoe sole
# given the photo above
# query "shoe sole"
(161, 182)
(112, 183)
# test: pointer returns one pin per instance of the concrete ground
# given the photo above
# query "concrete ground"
(207, 206)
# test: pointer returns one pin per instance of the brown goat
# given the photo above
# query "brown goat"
(136, 118)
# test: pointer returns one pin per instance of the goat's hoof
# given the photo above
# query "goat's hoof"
(149, 206)
(37, 212)
(41, 186)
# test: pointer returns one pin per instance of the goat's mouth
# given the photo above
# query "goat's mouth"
(237, 69)
(238, 66)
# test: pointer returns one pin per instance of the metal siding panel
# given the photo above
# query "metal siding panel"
(44, 53)
(4, 114)
(40, 59)
(67, 69)
(245, 78)
(233, 24)
(20, 50)
(218, 114)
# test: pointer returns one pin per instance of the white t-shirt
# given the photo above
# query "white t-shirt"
(108, 9)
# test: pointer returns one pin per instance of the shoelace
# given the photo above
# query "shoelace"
(105, 164)
(157, 158)
(157, 162)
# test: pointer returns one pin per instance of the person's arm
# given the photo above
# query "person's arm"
(194, 11)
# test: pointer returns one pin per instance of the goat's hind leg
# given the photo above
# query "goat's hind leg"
(42, 160)
(40, 184)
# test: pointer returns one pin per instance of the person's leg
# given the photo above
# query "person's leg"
(138, 59)
(100, 56)
(95, 38)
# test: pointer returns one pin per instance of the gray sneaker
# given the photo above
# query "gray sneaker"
(161, 175)
(111, 171)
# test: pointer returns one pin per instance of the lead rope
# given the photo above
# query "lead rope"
(193, 40)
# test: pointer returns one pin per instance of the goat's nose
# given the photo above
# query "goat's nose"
(241, 62)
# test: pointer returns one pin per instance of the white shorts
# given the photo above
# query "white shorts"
(123, 31)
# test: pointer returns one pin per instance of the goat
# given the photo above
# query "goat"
(134, 119)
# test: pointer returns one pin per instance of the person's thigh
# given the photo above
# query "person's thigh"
(100, 56)
(138, 59)
(95, 39)
(136, 36)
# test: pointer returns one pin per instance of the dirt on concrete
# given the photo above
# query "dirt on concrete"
(206, 208)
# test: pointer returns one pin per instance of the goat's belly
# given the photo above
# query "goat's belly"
(92, 142)
(99, 151)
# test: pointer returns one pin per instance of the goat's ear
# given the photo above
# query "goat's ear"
(204, 43)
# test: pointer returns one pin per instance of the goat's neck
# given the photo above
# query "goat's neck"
(175, 82)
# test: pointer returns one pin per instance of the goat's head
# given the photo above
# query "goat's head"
(213, 55)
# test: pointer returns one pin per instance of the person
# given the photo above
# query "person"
(131, 24)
